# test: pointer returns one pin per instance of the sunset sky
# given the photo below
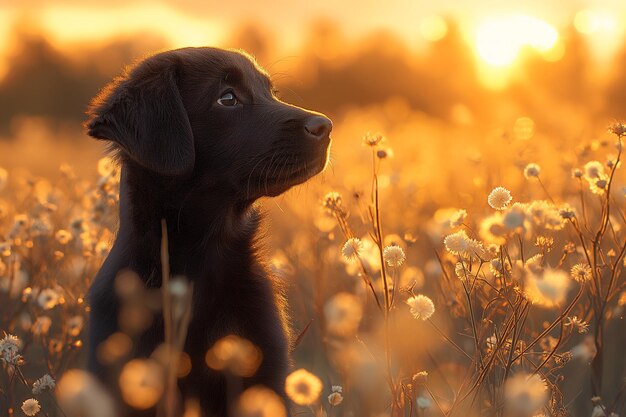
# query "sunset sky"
(195, 22)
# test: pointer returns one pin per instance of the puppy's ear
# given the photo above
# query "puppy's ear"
(144, 115)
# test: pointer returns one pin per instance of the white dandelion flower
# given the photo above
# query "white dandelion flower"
(46, 382)
(525, 394)
(457, 243)
(499, 198)
(394, 255)
(532, 170)
(352, 248)
(31, 407)
(458, 217)
(581, 272)
(421, 307)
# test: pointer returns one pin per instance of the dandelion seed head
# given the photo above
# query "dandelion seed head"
(593, 170)
(343, 313)
(373, 139)
(495, 266)
(492, 229)
(581, 272)
(525, 394)
(394, 256)
(352, 248)
(10, 343)
(545, 215)
(30, 407)
(335, 399)
(44, 383)
(513, 219)
(577, 173)
(303, 387)
(532, 170)
(457, 243)
(457, 218)
(421, 307)
(48, 298)
(332, 202)
(618, 129)
(548, 289)
(461, 270)
(567, 212)
(579, 325)
(499, 198)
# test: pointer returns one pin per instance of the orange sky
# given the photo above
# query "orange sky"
(197, 22)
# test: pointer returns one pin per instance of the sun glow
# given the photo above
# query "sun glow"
(98, 23)
(500, 40)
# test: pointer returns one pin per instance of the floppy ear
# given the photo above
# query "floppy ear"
(144, 115)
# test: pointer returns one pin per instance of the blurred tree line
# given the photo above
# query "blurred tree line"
(333, 76)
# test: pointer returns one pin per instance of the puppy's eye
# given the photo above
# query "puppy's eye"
(227, 99)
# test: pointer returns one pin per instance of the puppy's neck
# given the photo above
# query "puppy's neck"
(203, 225)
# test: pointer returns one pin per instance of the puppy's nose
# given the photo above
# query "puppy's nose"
(318, 127)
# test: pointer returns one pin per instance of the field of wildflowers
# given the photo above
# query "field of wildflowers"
(498, 290)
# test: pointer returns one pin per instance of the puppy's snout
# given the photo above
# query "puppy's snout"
(318, 127)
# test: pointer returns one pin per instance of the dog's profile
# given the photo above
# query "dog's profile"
(200, 135)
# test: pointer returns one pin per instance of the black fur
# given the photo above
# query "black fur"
(201, 165)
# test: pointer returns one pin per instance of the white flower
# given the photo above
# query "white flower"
(30, 407)
(458, 217)
(335, 398)
(44, 383)
(532, 171)
(10, 343)
(48, 298)
(525, 394)
(567, 212)
(421, 307)
(457, 243)
(499, 198)
(514, 218)
(352, 248)
(548, 289)
(581, 272)
(394, 255)
(343, 314)
(593, 170)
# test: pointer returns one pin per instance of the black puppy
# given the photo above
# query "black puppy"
(200, 136)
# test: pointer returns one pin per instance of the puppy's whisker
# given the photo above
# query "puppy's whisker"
(250, 175)
(268, 170)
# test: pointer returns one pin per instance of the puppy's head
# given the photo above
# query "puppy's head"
(210, 117)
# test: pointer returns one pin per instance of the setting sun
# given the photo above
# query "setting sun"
(500, 40)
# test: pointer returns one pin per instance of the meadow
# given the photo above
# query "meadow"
(446, 263)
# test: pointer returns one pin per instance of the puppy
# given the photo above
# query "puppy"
(200, 135)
